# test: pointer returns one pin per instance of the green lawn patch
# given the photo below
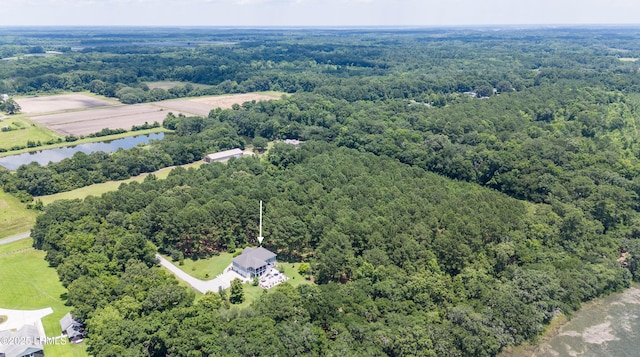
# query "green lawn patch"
(205, 269)
(15, 218)
(22, 131)
(295, 278)
(28, 283)
(15, 246)
(100, 188)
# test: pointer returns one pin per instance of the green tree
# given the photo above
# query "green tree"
(10, 106)
(236, 296)
(259, 143)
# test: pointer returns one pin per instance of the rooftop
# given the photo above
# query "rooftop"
(28, 338)
(224, 154)
(254, 257)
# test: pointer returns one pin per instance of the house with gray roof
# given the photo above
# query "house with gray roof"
(23, 343)
(72, 328)
(253, 262)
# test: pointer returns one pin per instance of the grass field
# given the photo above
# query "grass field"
(100, 188)
(12, 247)
(215, 265)
(28, 283)
(22, 131)
(253, 293)
(200, 268)
(15, 218)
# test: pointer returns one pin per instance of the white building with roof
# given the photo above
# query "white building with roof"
(254, 262)
(223, 156)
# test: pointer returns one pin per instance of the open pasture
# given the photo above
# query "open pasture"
(57, 103)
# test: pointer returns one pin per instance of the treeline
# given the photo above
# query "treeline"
(192, 139)
(372, 66)
(408, 262)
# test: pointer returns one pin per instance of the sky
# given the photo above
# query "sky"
(260, 13)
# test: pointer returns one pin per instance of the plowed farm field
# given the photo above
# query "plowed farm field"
(78, 114)
(64, 102)
(91, 121)
(202, 105)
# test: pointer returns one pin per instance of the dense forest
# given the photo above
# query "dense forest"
(456, 190)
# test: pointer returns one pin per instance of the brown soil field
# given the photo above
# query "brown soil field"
(57, 103)
(173, 84)
(226, 101)
(91, 121)
(83, 122)
(203, 105)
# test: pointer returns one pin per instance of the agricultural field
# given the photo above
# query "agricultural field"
(203, 105)
(63, 102)
(79, 114)
(92, 121)
(172, 84)
(23, 130)
(15, 218)
(28, 283)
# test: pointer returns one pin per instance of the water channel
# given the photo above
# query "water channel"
(43, 157)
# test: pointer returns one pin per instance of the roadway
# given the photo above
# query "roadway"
(221, 281)
(15, 238)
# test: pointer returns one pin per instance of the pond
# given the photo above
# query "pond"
(43, 157)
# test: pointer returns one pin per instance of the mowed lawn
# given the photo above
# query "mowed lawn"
(205, 269)
(216, 265)
(100, 188)
(24, 130)
(28, 283)
(15, 218)
(253, 293)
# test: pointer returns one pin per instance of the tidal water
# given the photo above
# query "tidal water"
(607, 327)
(43, 157)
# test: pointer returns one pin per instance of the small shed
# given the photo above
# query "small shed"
(223, 156)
